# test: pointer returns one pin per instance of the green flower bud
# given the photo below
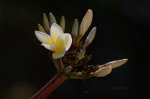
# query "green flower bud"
(86, 22)
(103, 71)
(117, 63)
(89, 38)
(40, 27)
(46, 22)
(52, 18)
(68, 69)
(81, 54)
(62, 23)
(75, 28)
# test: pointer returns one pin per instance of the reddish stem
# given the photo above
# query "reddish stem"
(49, 87)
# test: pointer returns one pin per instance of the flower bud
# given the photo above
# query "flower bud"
(81, 54)
(68, 69)
(89, 38)
(78, 73)
(103, 71)
(40, 27)
(91, 35)
(117, 63)
(62, 23)
(46, 22)
(52, 18)
(86, 22)
(75, 29)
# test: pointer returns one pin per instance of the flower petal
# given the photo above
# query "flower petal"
(43, 37)
(59, 42)
(64, 40)
(59, 52)
(55, 31)
(49, 47)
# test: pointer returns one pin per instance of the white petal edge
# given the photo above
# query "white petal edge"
(67, 40)
(43, 37)
(60, 55)
(55, 31)
(49, 47)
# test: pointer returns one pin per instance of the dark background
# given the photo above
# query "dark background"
(123, 27)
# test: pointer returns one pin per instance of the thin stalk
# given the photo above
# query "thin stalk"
(56, 81)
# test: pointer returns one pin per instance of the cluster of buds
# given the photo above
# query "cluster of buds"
(68, 51)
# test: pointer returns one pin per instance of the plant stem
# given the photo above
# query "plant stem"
(49, 87)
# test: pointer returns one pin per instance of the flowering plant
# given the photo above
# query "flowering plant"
(68, 52)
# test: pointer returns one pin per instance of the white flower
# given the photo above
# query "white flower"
(58, 41)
